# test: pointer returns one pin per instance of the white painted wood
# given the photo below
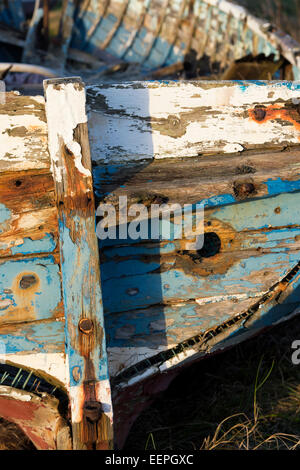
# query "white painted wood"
(23, 132)
(148, 120)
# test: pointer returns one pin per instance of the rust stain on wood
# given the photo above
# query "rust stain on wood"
(284, 113)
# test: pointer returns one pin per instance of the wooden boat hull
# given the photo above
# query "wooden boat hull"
(155, 34)
(232, 146)
(161, 33)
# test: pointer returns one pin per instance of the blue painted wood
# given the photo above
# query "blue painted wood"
(157, 35)
(85, 335)
(30, 289)
(265, 239)
(41, 337)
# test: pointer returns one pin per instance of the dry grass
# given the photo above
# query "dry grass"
(12, 438)
(247, 398)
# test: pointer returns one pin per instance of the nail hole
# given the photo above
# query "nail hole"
(132, 291)
(211, 247)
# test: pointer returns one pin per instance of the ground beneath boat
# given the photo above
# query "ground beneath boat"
(246, 398)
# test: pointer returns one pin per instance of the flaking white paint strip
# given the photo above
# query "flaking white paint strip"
(65, 110)
(14, 148)
(120, 358)
(222, 298)
(223, 124)
(53, 364)
(13, 393)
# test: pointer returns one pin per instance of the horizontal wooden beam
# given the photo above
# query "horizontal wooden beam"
(154, 120)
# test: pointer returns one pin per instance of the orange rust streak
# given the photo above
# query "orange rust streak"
(275, 112)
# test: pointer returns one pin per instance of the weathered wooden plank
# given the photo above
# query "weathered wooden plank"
(161, 33)
(38, 346)
(138, 334)
(248, 247)
(69, 150)
(23, 133)
(275, 306)
(173, 119)
(215, 180)
(28, 215)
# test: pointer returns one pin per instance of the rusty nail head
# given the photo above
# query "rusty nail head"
(86, 325)
(244, 189)
(92, 410)
(260, 114)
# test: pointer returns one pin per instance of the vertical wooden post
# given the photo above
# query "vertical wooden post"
(68, 143)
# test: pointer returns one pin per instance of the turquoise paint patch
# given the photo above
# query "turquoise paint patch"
(277, 186)
(48, 296)
(44, 245)
(260, 213)
(43, 338)
(5, 214)
(75, 272)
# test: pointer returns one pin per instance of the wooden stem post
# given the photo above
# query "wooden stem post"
(68, 143)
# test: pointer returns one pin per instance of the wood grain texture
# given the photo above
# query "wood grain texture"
(28, 215)
(215, 180)
(151, 120)
(71, 165)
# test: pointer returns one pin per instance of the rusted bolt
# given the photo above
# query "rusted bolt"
(76, 373)
(277, 210)
(86, 326)
(260, 114)
(27, 281)
(92, 411)
(243, 190)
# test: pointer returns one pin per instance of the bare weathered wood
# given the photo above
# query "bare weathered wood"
(71, 165)
(23, 133)
(37, 416)
(197, 179)
(28, 213)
